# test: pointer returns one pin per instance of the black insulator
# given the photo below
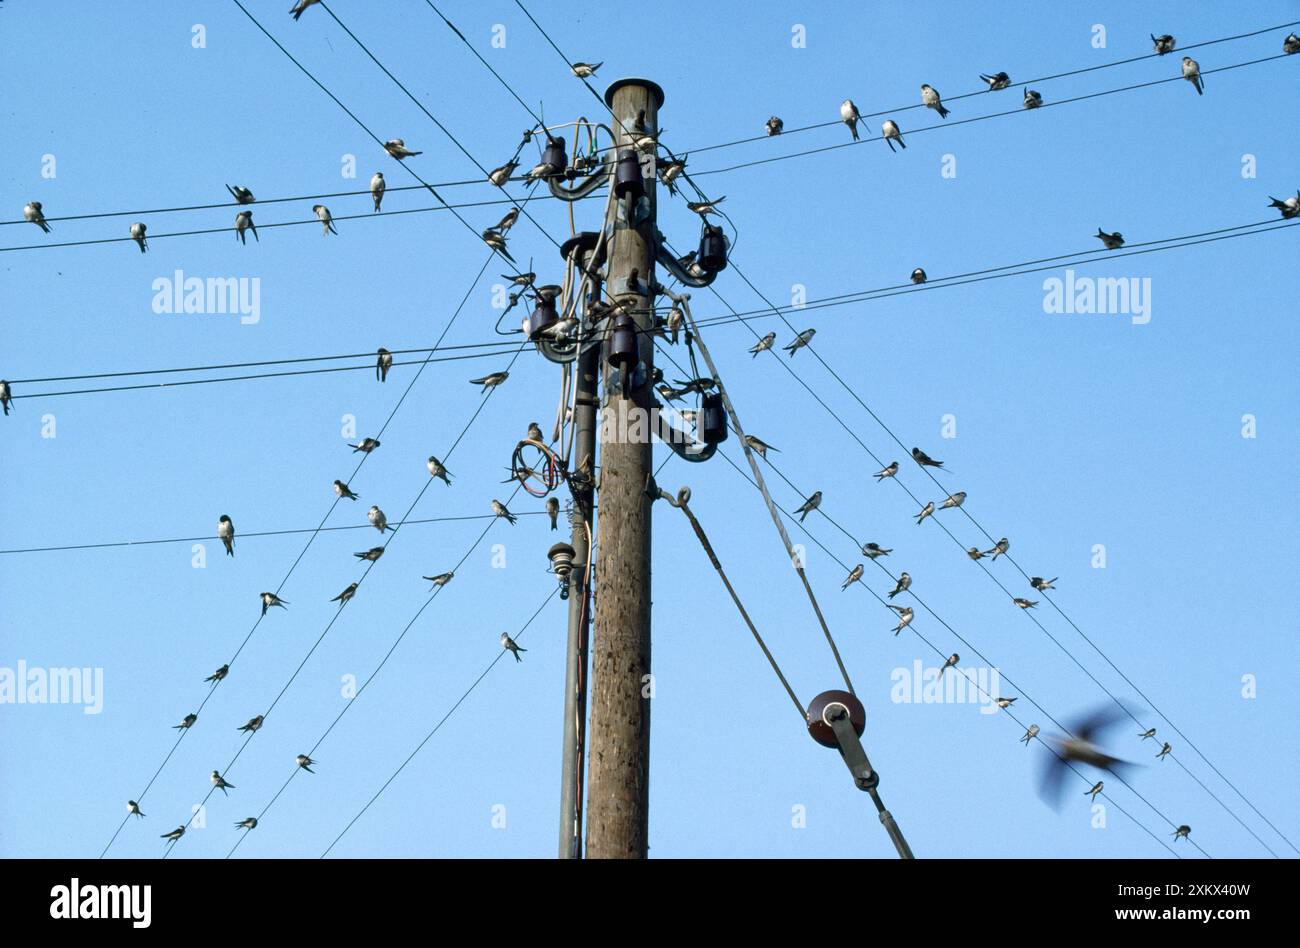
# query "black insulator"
(627, 175)
(554, 154)
(623, 351)
(545, 315)
(712, 255)
(713, 420)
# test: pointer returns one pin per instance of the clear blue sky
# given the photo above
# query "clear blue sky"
(1072, 430)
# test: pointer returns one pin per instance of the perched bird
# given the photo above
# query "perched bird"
(442, 579)
(241, 195)
(999, 548)
(553, 511)
(1096, 789)
(377, 187)
(905, 615)
(243, 224)
(248, 823)
(954, 500)
(1192, 73)
(850, 116)
(506, 222)
(931, 100)
(323, 215)
(133, 807)
(490, 381)
(1164, 751)
(253, 724)
(775, 126)
(674, 322)
(1163, 44)
(226, 531)
(220, 783)
(1289, 208)
(801, 340)
(1081, 748)
(763, 344)
(186, 722)
(436, 469)
(1005, 703)
(371, 555)
(585, 70)
(220, 674)
(344, 596)
(270, 599)
(918, 276)
(1025, 603)
(809, 505)
(999, 80)
(904, 581)
(175, 834)
(705, 208)
(500, 510)
(923, 459)
(889, 129)
(1112, 241)
(1149, 732)
(1291, 44)
(1033, 99)
(383, 364)
(535, 433)
(926, 511)
(377, 518)
(1042, 585)
(952, 661)
(397, 148)
(1030, 733)
(854, 575)
(365, 446)
(501, 176)
(974, 553)
(670, 172)
(137, 234)
(759, 445)
(1182, 832)
(305, 763)
(497, 242)
(543, 169)
(6, 396)
(874, 550)
(889, 471)
(344, 491)
(300, 6)
(511, 646)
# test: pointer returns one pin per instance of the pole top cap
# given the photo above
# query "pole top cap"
(656, 92)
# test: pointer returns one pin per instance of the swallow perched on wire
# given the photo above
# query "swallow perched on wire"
(1096, 789)
(952, 661)
(705, 208)
(1163, 44)
(1042, 585)
(954, 500)
(32, 212)
(809, 505)
(371, 555)
(585, 70)
(248, 823)
(226, 531)
(6, 396)
(931, 100)
(1148, 733)
(503, 226)
(497, 242)
(999, 80)
(382, 364)
(501, 176)
(305, 762)
(219, 675)
(270, 599)
(220, 783)
(377, 518)
(365, 446)
(905, 615)
(175, 834)
(491, 380)
(974, 553)
(346, 595)
(1289, 208)
(889, 131)
(397, 148)
(926, 511)
(918, 276)
(889, 471)
(300, 7)
(874, 550)
(775, 126)
(553, 511)
(327, 220)
(673, 323)
(1032, 99)
(187, 722)
(759, 445)
(137, 234)
(854, 575)
(1005, 703)
(377, 188)
(801, 340)
(241, 195)
(1192, 73)
(500, 510)
(763, 344)
(1164, 751)
(253, 724)
(442, 579)
(998, 548)
(904, 581)
(1291, 44)
(243, 224)
(850, 116)
(511, 646)
(1183, 832)
(133, 807)
(923, 459)
(670, 172)
(1025, 603)
(1111, 241)
(436, 469)
(1030, 733)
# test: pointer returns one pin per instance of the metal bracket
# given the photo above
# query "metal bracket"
(837, 716)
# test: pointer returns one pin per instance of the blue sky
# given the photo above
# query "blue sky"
(1071, 430)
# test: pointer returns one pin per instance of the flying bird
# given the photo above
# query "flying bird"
(344, 596)
(377, 187)
(1081, 748)
(954, 500)
(850, 116)
(270, 599)
(137, 234)
(904, 581)
(365, 446)
(243, 224)
(501, 176)
(383, 364)
(323, 215)
(952, 661)
(226, 531)
(923, 459)
(511, 646)
(436, 469)
(999, 80)
(186, 722)
(253, 724)
(585, 70)
(1163, 44)
(220, 674)
(926, 511)
(305, 763)
(854, 575)
(397, 148)
(371, 555)
(133, 807)
(775, 126)
(247, 823)
(442, 579)
(763, 344)
(905, 615)
(801, 340)
(1033, 99)
(809, 505)
(241, 195)
(301, 6)
(1192, 73)
(1042, 585)
(377, 518)
(918, 276)
(889, 471)
(553, 511)
(889, 129)
(761, 446)
(490, 381)
(220, 783)
(931, 100)
(999, 548)
(1025, 603)
(874, 550)
(500, 510)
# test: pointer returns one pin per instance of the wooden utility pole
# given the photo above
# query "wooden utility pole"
(618, 793)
